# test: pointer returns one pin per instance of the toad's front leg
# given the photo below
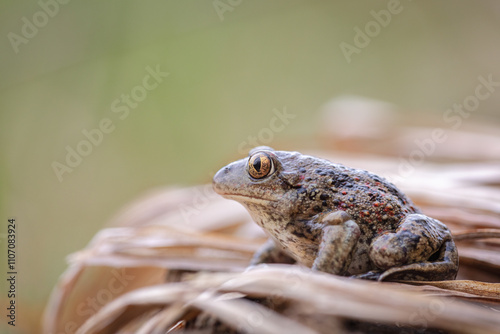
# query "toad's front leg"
(271, 252)
(339, 239)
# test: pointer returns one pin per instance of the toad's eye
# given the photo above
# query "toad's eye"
(260, 165)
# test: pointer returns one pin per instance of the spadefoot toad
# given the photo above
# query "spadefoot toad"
(337, 219)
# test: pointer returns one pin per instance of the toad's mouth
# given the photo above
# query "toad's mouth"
(246, 198)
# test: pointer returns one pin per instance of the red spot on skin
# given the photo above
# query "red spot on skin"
(365, 213)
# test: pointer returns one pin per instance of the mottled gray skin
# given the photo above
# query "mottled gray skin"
(339, 220)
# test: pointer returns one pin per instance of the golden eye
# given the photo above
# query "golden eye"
(260, 165)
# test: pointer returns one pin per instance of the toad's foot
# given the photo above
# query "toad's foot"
(371, 275)
(420, 249)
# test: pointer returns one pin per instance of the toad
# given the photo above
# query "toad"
(337, 219)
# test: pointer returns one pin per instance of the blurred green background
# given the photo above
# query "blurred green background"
(230, 63)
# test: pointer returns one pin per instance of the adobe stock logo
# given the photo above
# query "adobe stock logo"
(122, 107)
(363, 38)
(114, 287)
(452, 118)
(277, 123)
(221, 7)
(30, 28)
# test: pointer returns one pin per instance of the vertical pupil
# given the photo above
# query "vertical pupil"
(257, 164)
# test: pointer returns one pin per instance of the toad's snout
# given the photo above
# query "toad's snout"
(231, 178)
(219, 181)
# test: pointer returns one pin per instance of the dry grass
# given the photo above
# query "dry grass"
(180, 254)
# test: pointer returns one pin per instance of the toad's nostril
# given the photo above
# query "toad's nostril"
(221, 175)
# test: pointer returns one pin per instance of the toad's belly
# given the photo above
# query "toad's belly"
(304, 251)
